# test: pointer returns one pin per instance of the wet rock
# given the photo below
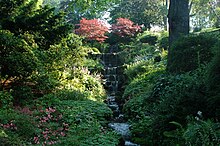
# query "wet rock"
(122, 129)
(113, 107)
(119, 118)
(128, 143)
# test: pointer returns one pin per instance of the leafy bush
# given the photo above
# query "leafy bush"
(58, 122)
(90, 133)
(18, 127)
(141, 131)
(105, 138)
(145, 80)
(45, 82)
(81, 110)
(66, 95)
(142, 67)
(22, 94)
(137, 51)
(80, 79)
(17, 56)
(156, 100)
(6, 100)
(190, 52)
(139, 89)
(158, 104)
(149, 38)
(11, 139)
(178, 97)
(163, 40)
(202, 133)
(114, 39)
(86, 120)
(45, 63)
(51, 126)
(213, 83)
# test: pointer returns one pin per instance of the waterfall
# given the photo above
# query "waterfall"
(110, 72)
(113, 74)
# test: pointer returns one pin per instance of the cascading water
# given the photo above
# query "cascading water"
(112, 75)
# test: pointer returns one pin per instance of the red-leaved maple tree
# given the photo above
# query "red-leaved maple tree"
(125, 27)
(92, 29)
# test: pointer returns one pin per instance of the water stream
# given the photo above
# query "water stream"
(112, 76)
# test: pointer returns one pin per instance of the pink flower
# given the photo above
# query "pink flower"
(36, 139)
(62, 134)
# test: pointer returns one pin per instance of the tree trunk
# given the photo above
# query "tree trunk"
(178, 19)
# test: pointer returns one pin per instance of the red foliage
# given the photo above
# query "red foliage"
(92, 29)
(125, 27)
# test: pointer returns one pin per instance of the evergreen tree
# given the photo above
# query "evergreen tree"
(27, 32)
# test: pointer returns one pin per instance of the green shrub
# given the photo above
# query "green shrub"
(6, 100)
(213, 83)
(17, 56)
(45, 82)
(178, 97)
(137, 68)
(169, 98)
(141, 131)
(67, 95)
(19, 127)
(80, 80)
(90, 133)
(116, 39)
(150, 39)
(12, 139)
(86, 120)
(105, 138)
(135, 107)
(22, 94)
(137, 51)
(142, 67)
(202, 133)
(163, 41)
(138, 91)
(190, 52)
(140, 85)
(81, 110)
(174, 137)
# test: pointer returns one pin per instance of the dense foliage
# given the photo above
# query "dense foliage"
(75, 10)
(205, 13)
(142, 12)
(175, 109)
(51, 82)
(192, 51)
(48, 96)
